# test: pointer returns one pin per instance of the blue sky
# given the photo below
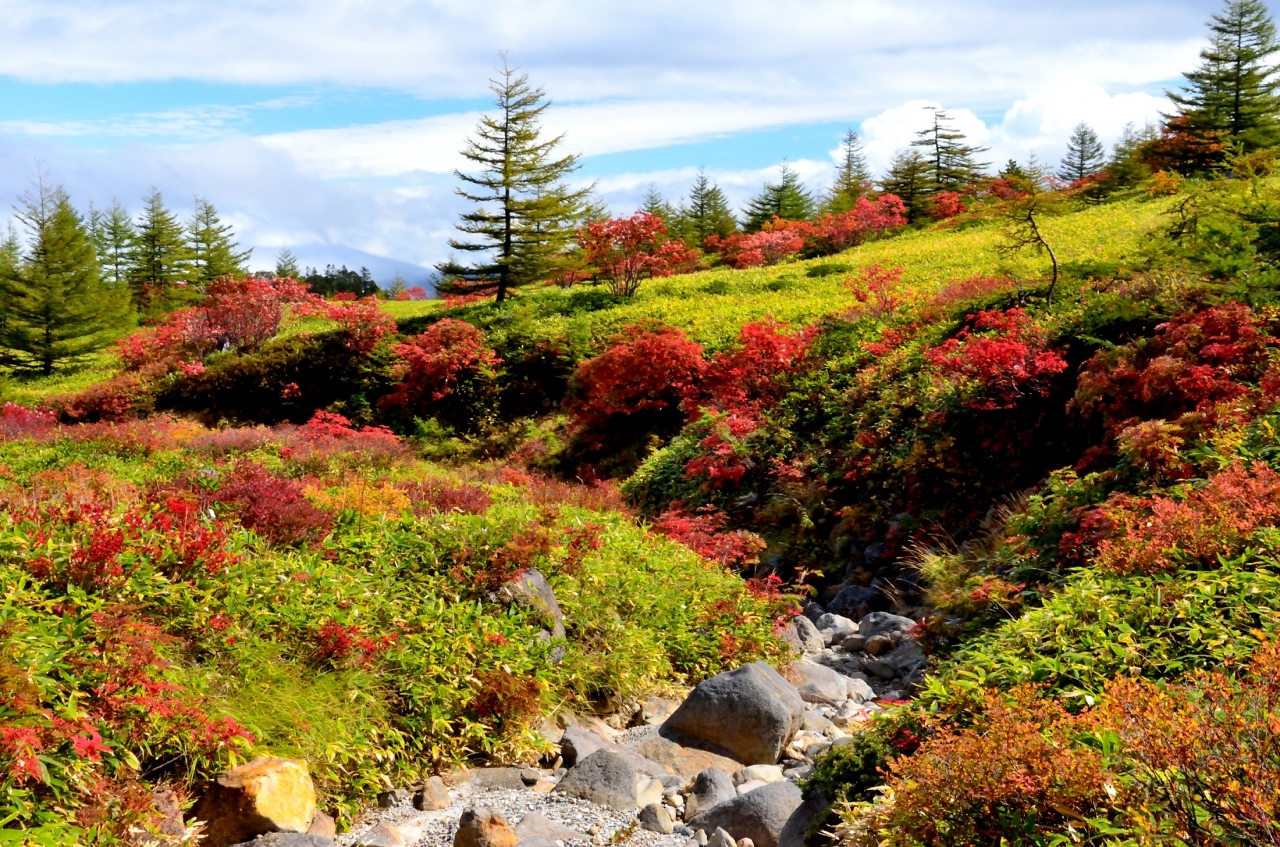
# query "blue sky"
(332, 128)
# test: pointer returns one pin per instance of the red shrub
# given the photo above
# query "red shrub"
(866, 220)
(1008, 363)
(724, 461)
(767, 247)
(625, 251)
(650, 369)
(747, 376)
(362, 323)
(434, 495)
(946, 205)
(876, 290)
(274, 507)
(18, 422)
(967, 290)
(437, 361)
(704, 533)
(502, 695)
(337, 644)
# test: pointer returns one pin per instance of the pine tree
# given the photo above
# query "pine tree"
(853, 177)
(787, 199)
(57, 307)
(909, 177)
(213, 251)
(1085, 155)
(705, 213)
(1126, 168)
(526, 216)
(287, 265)
(112, 235)
(654, 204)
(159, 259)
(952, 164)
(1233, 95)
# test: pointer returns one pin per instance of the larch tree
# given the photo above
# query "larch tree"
(705, 213)
(1085, 155)
(159, 258)
(212, 246)
(1233, 95)
(526, 216)
(112, 234)
(57, 308)
(952, 163)
(287, 265)
(787, 199)
(910, 179)
(853, 177)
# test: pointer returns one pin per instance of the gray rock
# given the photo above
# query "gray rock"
(655, 710)
(287, 839)
(750, 785)
(836, 623)
(854, 643)
(854, 601)
(432, 796)
(578, 743)
(802, 819)
(813, 611)
(532, 591)
(751, 712)
(881, 623)
(758, 773)
(815, 721)
(811, 642)
(491, 778)
(382, 835)
(720, 838)
(798, 773)
(877, 645)
(682, 830)
(817, 683)
(655, 818)
(537, 841)
(606, 778)
(759, 815)
(860, 690)
(710, 788)
(538, 825)
(394, 797)
(907, 656)
(880, 668)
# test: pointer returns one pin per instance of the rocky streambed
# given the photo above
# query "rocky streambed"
(719, 768)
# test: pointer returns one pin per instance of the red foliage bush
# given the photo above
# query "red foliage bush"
(274, 507)
(337, 644)
(363, 323)
(767, 247)
(704, 533)
(434, 496)
(946, 205)
(510, 698)
(1012, 361)
(648, 369)
(20, 422)
(436, 362)
(867, 219)
(626, 251)
(966, 291)
(748, 376)
(876, 289)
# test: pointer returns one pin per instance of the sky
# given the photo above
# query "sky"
(332, 127)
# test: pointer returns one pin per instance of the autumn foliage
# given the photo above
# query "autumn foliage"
(625, 251)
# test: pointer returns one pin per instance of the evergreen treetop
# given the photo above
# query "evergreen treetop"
(214, 252)
(287, 265)
(112, 234)
(654, 204)
(853, 177)
(787, 199)
(1232, 95)
(705, 213)
(525, 215)
(56, 306)
(159, 258)
(952, 164)
(910, 178)
(1085, 155)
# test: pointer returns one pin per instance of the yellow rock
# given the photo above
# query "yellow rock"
(265, 795)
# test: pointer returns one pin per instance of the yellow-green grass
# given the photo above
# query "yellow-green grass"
(34, 390)
(402, 309)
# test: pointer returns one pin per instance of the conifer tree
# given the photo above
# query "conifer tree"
(525, 215)
(705, 213)
(159, 259)
(1126, 168)
(853, 177)
(787, 199)
(654, 204)
(214, 253)
(287, 265)
(1233, 94)
(952, 164)
(57, 308)
(112, 234)
(1085, 154)
(910, 178)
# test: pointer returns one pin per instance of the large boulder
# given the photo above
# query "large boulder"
(538, 825)
(682, 754)
(578, 743)
(750, 712)
(883, 623)
(260, 797)
(483, 827)
(807, 814)
(710, 788)
(759, 815)
(432, 797)
(854, 601)
(608, 778)
(532, 591)
(816, 683)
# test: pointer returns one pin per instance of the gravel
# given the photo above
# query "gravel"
(436, 829)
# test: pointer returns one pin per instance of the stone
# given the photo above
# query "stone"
(394, 797)
(802, 820)
(907, 657)
(854, 601)
(813, 611)
(746, 842)
(854, 643)
(681, 754)
(655, 818)
(816, 683)
(649, 792)
(810, 638)
(751, 785)
(432, 796)
(798, 773)
(543, 786)
(382, 835)
(764, 773)
(538, 841)
(710, 788)
(607, 778)
(759, 815)
(578, 743)
(860, 690)
(483, 827)
(532, 591)
(750, 712)
(655, 710)
(538, 825)
(836, 623)
(165, 802)
(877, 645)
(324, 826)
(494, 778)
(880, 668)
(815, 721)
(720, 838)
(288, 839)
(262, 796)
(883, 623)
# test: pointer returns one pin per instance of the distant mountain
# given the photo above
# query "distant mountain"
(383, 268)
